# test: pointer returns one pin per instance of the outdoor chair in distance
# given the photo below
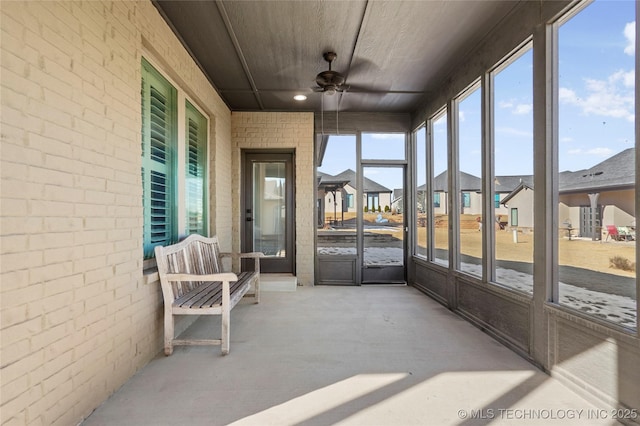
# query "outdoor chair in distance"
(612, 231)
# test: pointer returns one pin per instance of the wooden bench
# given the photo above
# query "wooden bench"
(194, 283)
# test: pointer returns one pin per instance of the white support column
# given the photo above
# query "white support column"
(593, 203)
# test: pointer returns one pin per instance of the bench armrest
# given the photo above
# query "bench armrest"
(256, 255)
(226, 276)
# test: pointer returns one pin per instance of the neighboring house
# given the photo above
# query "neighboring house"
(333, 196)
(589, 199)
(519, 207)
(337, 194)
(504, 186)
(601, 195)
(470, 193)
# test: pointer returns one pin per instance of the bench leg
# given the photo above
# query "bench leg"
(168, 332)
(256, 288)
(226, 332)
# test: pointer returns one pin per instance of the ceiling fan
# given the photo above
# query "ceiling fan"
(330, 81)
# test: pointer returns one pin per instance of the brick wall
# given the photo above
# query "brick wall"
(78, 317)
(262, 130)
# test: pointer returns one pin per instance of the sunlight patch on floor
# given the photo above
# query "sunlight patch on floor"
(324, 399)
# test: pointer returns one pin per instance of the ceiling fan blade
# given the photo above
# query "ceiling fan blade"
(362, 65)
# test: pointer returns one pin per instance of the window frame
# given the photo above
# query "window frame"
(442, 112)
(458, 204)
(418, 251)
(179, 167)
(553, 52)
(490, 86)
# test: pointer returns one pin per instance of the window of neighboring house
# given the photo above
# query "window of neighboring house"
(496, 201)
(514, 217)
(168, 186)
(350, 201)
(420, 164)
(436, 200)
(597, 124)
(466, 199)
(373, 201)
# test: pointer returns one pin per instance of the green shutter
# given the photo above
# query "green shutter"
(159, 117)
(196, 154)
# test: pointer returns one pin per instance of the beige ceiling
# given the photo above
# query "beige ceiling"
(259, 54)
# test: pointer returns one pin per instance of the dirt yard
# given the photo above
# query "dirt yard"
(580, 253)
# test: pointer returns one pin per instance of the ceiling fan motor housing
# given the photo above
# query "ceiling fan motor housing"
(330, 80)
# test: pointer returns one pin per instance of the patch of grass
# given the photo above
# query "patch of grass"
(619, 262)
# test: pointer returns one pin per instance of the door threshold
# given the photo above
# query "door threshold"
(278, 282)
(380, 284)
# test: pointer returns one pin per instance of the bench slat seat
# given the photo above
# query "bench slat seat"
(193, 283)
(209, 294)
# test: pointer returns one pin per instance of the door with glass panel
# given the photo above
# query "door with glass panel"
(383, 225)
(267, 209)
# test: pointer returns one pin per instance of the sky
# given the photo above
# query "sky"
(596, 105)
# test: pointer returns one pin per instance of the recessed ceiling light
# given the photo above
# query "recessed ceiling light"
(300, 97)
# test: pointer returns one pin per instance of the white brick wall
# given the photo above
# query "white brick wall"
(77, 316)
(263, 130)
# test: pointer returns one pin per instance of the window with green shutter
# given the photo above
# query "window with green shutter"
(159, 119)
(196, 154)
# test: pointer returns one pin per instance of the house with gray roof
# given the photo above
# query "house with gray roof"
(470, 192)
(589, 199)
(337, 194)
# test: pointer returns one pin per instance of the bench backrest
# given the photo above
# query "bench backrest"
(194, 255)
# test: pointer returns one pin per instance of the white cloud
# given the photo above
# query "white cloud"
(516, 108)
(566, 139)
(628, 78)
(461, 116)
(613, 97)
(598, 152)
(567, 95)
(630, 35)
(523, 109)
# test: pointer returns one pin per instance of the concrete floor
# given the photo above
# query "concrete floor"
(371, 355)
